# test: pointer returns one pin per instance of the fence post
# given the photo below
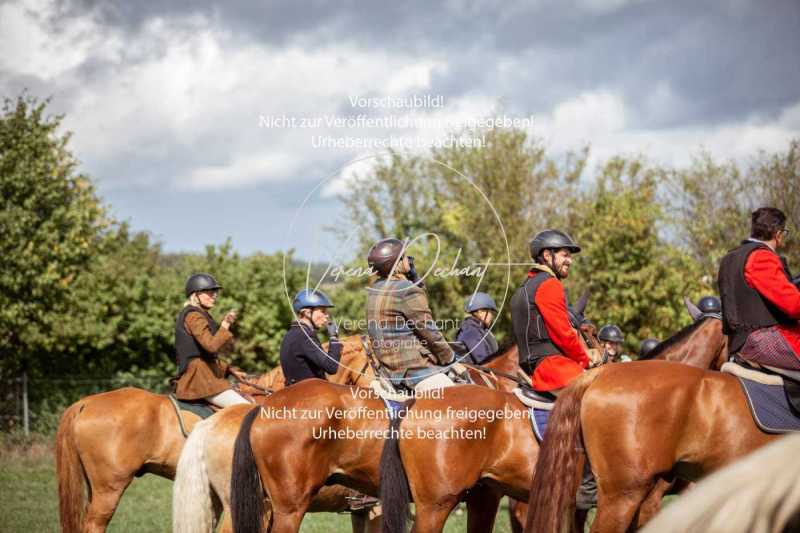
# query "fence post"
(25, 413)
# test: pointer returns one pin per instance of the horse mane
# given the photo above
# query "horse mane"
(672, 341)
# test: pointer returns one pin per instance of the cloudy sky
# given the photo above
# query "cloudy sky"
(168, 100)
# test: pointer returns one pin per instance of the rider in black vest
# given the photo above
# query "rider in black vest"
(746, 310)
(528, 325)
(302, 355)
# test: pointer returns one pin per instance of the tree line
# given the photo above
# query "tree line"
(81, 293)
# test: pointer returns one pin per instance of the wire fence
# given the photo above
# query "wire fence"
(35, 405)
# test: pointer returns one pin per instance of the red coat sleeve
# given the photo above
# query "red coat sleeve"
(764, 272)
(553, 306)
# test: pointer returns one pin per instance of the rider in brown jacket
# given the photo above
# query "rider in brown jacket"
(198, 341)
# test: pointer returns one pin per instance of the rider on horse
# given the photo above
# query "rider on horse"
(302, 355)
(399, 320)
(611, 337)
(760, 305)
(549, 346)
(198, 341)
(474, 331)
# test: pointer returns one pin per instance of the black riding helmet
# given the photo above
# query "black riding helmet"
(552, 239)
(384, 254)
(201, 282)
(647, 346)
(709, 304)
(610, 333)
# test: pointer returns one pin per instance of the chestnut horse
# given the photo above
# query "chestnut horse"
(202, 481)
(319, 444)
(500, 372)
(499, 474)
(640, 422)
(105, 440)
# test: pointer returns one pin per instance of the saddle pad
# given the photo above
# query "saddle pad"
(770, 407)
(199, 409)
(394, 407)
(539, 403)
(539, 418)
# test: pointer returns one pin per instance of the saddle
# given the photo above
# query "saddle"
(536, 400)
(200, 408)
(772, 396)
(539, 405)
(769, 375)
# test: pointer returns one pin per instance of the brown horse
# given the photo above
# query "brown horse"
(107, 439)
(497, 475)
(640, 422)
(295, 456)
(202, 481)
(500, 372)
(700, 344)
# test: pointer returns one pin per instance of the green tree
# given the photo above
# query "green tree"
(51, 222)
(778, 177)
(636, 280)
(711, 203)
(468, 197)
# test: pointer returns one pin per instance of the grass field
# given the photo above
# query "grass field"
(28, 501)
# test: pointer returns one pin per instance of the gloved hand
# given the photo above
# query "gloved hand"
(333, 329)
(595, 357)
(412, 275)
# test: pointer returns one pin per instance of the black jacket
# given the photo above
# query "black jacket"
(743, 308)
(302, 355)
(186, 346)
(478, 340)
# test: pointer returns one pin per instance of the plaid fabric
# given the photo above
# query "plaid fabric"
(768, 347)
(401, 327)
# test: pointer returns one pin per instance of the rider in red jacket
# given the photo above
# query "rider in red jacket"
(760, 304)
(549, 347)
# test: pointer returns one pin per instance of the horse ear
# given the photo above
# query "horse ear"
(694, 311)
(580, 305)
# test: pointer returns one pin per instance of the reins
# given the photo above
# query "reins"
(495, 373)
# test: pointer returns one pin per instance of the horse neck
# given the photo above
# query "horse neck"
(701, 349)
(508, 361)
(354, 369)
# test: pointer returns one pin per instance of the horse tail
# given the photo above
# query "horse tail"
(70, 473)
(395, 492)
(192, 507)
(247, 494)
(556, 477)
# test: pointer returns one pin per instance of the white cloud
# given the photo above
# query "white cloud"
(31, 47)
(183, 96)
(194, 88)
(600, 119)
(243, 170)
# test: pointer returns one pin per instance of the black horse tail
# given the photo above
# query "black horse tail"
(395, 492)
(247, 494)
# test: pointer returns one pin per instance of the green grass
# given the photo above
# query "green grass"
(29, 503)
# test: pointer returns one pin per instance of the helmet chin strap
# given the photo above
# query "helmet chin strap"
(309, 320)
(552, 265)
